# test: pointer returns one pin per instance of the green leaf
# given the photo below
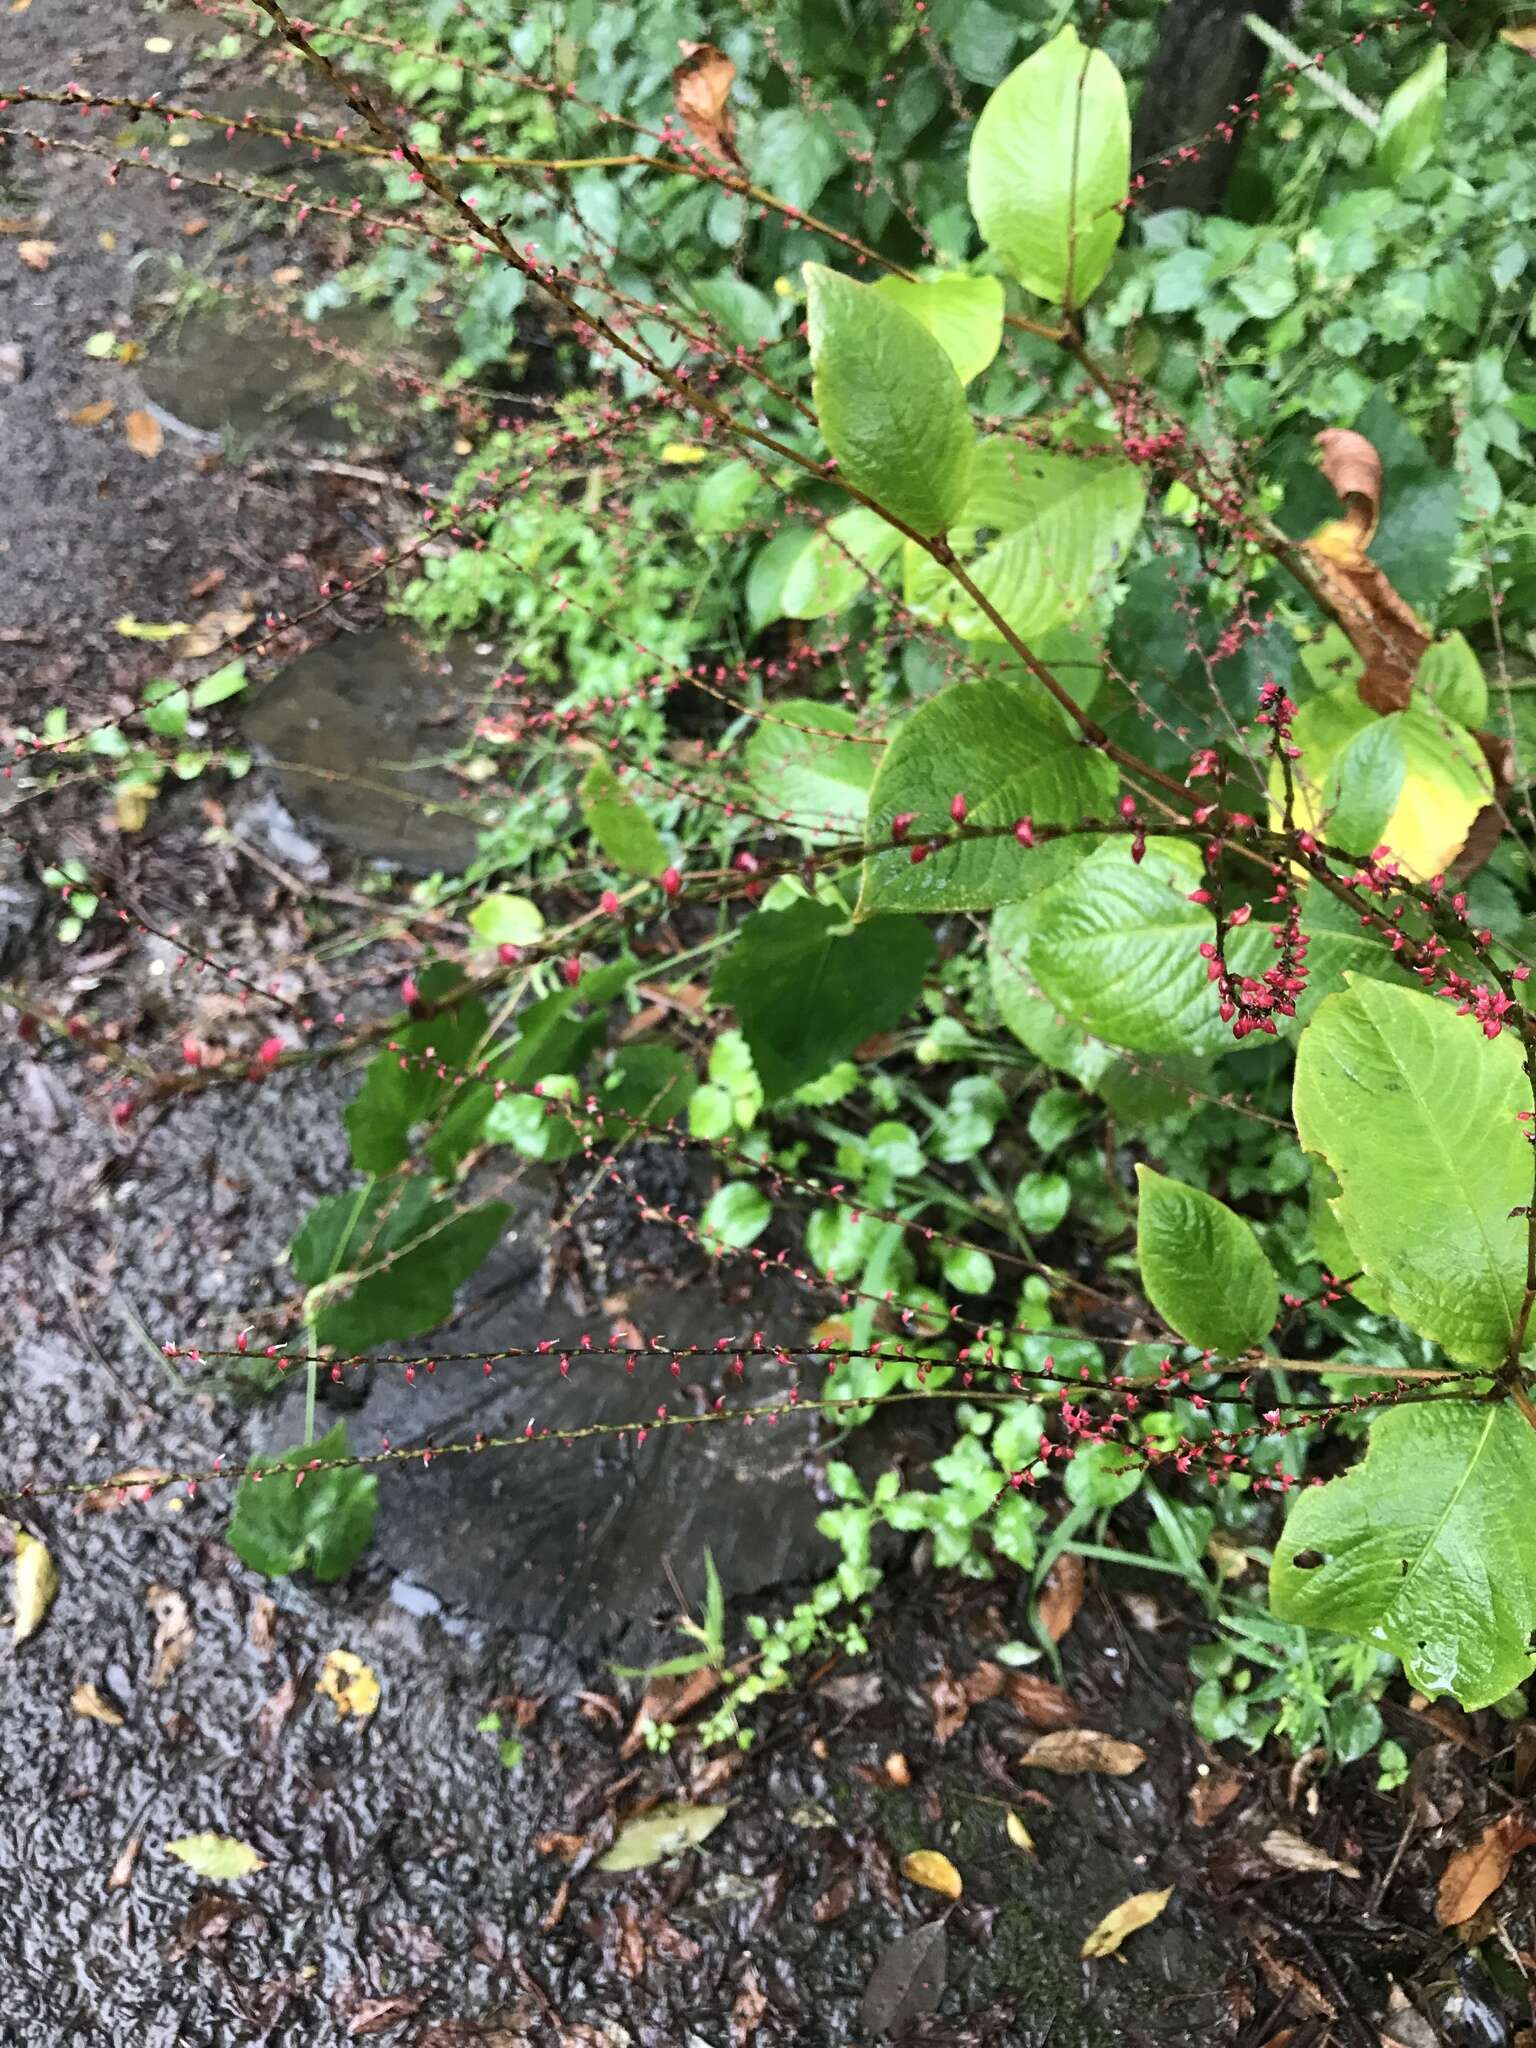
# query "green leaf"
(507, 920)
(1101, 1475)
(397, 1097)
(219, 1857)
(1057, 528)
(1041, 1200)
(400, 1254)
(723, 496)
(736, 1215)
(839, 563)
(621, 828)
(1452, 675)
(817, 780)
(1202, 1267)
(323, 1524)
(1008, 750)
(227, 681)
(1115, 947)
(664, 1832)
(963, 314)
(1412, 118)
(1050, 167)
(166, 707)
(890, 405)
(1427, 1548)
(650, 1083)
(1389, 1084)
(807, 988)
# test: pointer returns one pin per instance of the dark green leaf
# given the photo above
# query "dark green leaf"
(323, 1524)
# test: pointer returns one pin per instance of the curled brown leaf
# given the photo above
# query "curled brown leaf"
(701, 87)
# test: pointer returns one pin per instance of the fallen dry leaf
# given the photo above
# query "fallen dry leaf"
(1292, 1853)
(196, 226)
(212, 630)
(122, 1870)
(287, 273)
(261, 1624)
(701, 87)
(984, 1683)
(92, 415)
(220, 1857)
(174, 1633)
(897, 1769)
(1353, 467)
(1138, 1911)
(90, 1705)
(37, 255)
(207, 583)
(144, 433)
(1042, 1704)
(1475, 1873)
(666, 1831)
(1070, 1750)
(1521, 38)
(1214, 1793)
(950, 1706)
(934, 1871)
(272, 1716)
(347, 1680)
(1062, 1595)
(908, 1980)
(748, 2007)
(37, 1584)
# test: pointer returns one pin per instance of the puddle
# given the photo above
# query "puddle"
(349, 728)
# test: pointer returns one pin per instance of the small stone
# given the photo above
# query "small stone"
(13, 362)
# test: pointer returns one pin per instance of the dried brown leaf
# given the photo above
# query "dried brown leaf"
(145, 436)
(1213, 1793)
(1072, 1750)
(1140, 1910)
(701, 87)
(272, 1717)
(747, 2008)
(1521, 38)
(1475, 1873)
(377, 2015)
(1062, 1595)
(261, 1625)
(950, 1706)
(37, 255)
(1387, 634)
(984, 1683)
(211, 631)
(1353, 467)
(1042, 1704)
(92, 415)
(174, 1634)
(121, 1872)
(834, 1901)
(91, 1705)
(1290, 1852)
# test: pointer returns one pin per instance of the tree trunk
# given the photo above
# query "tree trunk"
(1206, 62)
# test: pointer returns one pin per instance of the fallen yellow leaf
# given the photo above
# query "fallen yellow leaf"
(928, 1867)
(129, 351)
(347, 1680)
(1138, 1911)
(36, 1584)
(37, 255)
(144, 434)
(287, 273)
(1069, 1750)
(92, 415)
(106, 240)
(684, 451)
(90, 1706)
(1019, 1835)
(217, 1856)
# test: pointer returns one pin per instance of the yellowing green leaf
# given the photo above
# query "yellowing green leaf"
(143, 629)
(347, 1680)
(219, 1857)
(1018, 1834)
(90, 1705)
(37, 1582)
(934, 1871)
(963, 314)
(666, 1831)
(1138, 1911)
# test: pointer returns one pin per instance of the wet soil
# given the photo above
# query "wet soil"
(416, 1887)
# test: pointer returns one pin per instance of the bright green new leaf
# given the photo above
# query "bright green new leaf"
(963, 314)
(323, 1523)
(1202, 1267)
(1011, 754)
(1389, 1084)
(400, 1094)
(890, 405)
(1058, 528)
(396, 1253)
(1050, 168)
(799, 763)
(503, 920)
(618, 824)
(839, 563)
(1427, 1548)
(1412, 118)
(807, 987)
(227, 681)
(219, 1857)
(735, 1215)
(1115, 947)
(724, 495)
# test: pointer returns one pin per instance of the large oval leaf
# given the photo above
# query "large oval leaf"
(801, 765)
(1202, 1267)
(1051, 166)
(963, 314)
(1390, 1085)
(1115, 945)
(1007, 749)
(890, 405)
(838, 564)
(1058, 528)
(1426, 1548)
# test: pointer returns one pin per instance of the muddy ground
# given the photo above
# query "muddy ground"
(415, 1887)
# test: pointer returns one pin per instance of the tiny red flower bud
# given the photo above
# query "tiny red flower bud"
(919, 854)
(957, 807)
(1127, 807)
(122, 1109)
(608, 902)
(409, 992)
(672, 881)
(901, 825)
(508, 954)
(571, 969)
(1024, 832)
(271, 1048)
